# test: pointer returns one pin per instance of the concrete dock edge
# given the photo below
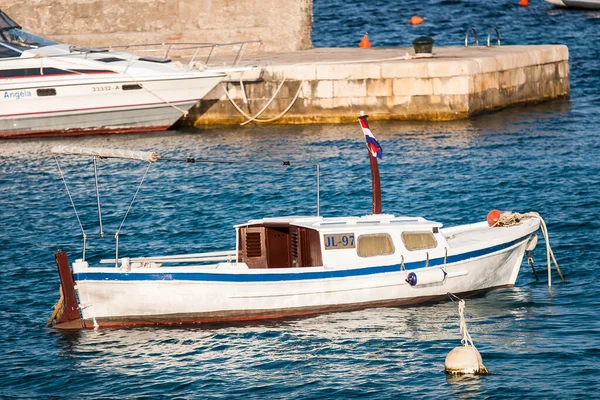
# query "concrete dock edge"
(330, 85)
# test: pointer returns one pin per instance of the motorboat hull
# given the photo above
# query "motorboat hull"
(584, 4)
(155, 296)
(80, 106)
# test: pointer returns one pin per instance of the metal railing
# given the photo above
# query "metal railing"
(210, 55)
(467, 37)
(493, 28)
(489, 37)
(195, 50)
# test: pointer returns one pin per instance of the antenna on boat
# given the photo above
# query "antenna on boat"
(318, 189)
(375, 152)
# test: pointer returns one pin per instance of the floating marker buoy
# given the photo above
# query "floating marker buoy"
(465, 359)
(493, 217)
(416, 20)
(364, 43)
(524, 3)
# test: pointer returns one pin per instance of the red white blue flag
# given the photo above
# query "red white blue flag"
(372, 143)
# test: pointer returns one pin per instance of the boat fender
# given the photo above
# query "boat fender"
(426, 277)
(493, 217)
(532, 243)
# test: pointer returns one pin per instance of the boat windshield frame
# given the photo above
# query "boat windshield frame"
(15, 38)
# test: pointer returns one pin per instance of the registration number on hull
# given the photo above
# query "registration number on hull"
(106, 88)
(339, 241)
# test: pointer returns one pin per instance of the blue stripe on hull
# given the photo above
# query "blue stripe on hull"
(273, 277)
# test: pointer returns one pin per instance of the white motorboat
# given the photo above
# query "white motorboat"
(48, 88)
(294, 266)
(586, 4)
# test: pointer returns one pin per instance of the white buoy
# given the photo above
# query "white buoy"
(465, 359)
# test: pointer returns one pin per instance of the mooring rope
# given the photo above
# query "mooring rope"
(58, 307)
(465, 338)
(182, 111)
(508, 219)
(262, 110)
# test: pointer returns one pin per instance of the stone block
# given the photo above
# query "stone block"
(393, 101)
(412, 87)
(349, 88)
(307, 89)
(218, 93)
(451, 85)
(486, 65)
(511, 61)
(324, 103)
(563, 69)
(437, 69)
(324, 89)
(364, 101)
(459, 103)
(405, 69)
(379, 87)
(533, 73)
(348, 71)
(548, 71)
(300, 72)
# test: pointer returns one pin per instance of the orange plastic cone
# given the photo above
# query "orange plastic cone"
(416, 20)
(524, 3)
(364, 43)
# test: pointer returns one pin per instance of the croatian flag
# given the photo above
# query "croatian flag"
(372, 143)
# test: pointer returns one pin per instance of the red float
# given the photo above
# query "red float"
(493, 217)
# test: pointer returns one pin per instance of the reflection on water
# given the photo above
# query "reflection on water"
(389, 335)
(465, 386)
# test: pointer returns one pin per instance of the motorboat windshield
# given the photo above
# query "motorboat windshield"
(14, 40)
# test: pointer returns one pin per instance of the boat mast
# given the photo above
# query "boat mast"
(375, 182)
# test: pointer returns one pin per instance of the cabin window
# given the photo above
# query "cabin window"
(379, 244)
(134, 86)
(418, 240)
(46, 92)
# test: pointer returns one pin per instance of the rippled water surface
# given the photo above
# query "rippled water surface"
(544, 158)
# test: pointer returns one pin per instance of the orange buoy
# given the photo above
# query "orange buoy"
(493, 217)
(364, 43)
(416, 20)
(524, 3)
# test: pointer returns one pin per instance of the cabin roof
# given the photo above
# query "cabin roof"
(337, 223)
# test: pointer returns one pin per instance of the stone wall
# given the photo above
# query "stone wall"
(281, 25)
(333, 85)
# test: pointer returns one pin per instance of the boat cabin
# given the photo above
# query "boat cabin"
(291, 242)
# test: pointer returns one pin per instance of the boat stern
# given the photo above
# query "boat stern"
(67, 314)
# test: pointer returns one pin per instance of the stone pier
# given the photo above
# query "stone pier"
(332, 85)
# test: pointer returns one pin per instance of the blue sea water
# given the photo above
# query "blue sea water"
(545, 158)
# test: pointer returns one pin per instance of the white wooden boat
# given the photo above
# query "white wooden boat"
(294, 266)
(49, 88)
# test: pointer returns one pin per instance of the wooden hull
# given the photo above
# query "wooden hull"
(237, 316)
(172, 296)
